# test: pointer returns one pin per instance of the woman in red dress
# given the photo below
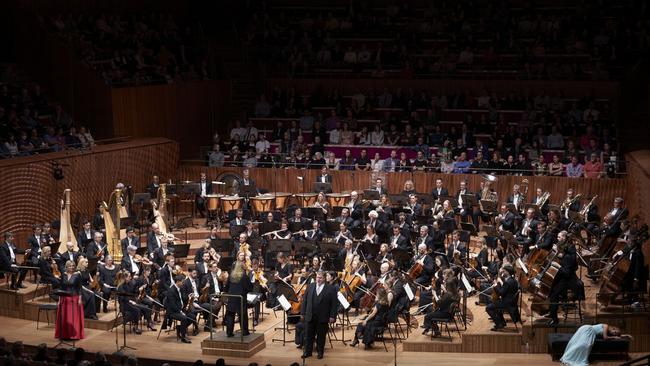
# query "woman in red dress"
(70, 313)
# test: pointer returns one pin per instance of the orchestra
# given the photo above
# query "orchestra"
(388, 258)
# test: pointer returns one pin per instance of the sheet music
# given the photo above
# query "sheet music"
(466, 283)
(344, 302)
(251, 297)
(284, 303)
(409, 292)
(522, 265)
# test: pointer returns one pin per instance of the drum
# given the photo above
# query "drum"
(306, 199)
(338, 199)
(231, 203)
(281, 199)
(263, 203)
(212, 201)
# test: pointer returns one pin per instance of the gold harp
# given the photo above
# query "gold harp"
(65, 232)
(110, 213)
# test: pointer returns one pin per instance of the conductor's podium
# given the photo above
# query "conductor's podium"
(220, 345)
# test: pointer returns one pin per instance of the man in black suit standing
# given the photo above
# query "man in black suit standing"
(317, 311)
(153, 239)
(439, 191)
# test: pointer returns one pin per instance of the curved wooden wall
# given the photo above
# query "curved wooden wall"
(285, 180)
(31, 195)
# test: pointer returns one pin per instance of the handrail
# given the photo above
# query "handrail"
(241, 309)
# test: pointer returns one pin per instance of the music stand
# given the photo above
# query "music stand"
(452, 200)
(279, 245)
(467, 226)
(489, 207)
(534, 207)
(469, 200)
(370, 195)
(235, 230)
(426, 199)
(142, 251)
(247, 190)
(124, 345)
(358, 232)
(328, 248)
(304, 248)
(491, 241)
(490, 230)
(267, 227)
(181, 250)
(336, 210)
(370, 250)
(295, 226)
(142, 198)
(222, 245)
(55, 247)
(331, 227)
(314, 213)
(398, 199)
(401, 256)
(374, 267)
(321, 187)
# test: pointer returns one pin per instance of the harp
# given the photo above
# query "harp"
(111, 214)
(65, 233)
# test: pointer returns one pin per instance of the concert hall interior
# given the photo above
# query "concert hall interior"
(283, 182)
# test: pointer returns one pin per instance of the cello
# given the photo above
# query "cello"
(300, 293)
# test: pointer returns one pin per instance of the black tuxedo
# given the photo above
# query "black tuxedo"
(159, 255)
(401, 241)
(45, 270)
(93, 249)
(428, 241)
(203, 269)
(520, 198)
(317, 310)
(165, 280)
(67, 256)
(443, 193)
(347, 221)
(324, 179)
(427, 271)
(174, 305)
(545, 242)
(127, 264)
(152, 242)
(83, 238)
(438, 238)
(508, 222)
(6, 264)
(461, 248)
(507, 302)
(35, 245)
(153, 189)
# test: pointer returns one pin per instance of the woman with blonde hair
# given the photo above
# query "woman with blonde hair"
(69, 314)
(88, 297)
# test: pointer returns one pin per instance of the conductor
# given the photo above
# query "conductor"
(317, 311)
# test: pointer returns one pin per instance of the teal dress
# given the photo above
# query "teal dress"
(579, 346)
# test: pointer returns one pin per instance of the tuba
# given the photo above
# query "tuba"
(65, 233)
(487, 194)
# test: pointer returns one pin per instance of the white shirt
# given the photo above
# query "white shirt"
(11, 252)
(515, 200)
(204, 188)
(460, 198)
(134, 266)
(526, 225)
(179, 295)
(194, 289)
(88, 234)
(215, 279)
(323, 178)
(319, 288)
(538, 200)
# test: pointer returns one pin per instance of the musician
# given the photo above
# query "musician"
(318, 308)
(203, 266)
(379, 186)
(373, 220)
(130, 240)
(425, 238)
(397, 240)
(206, 189)
(636, 278)
(485, 192)
(175, 306)
(198, 255)
(375, 321)
(439, 190)
(516, 198)
(526, 235)
(413, 207)
(371, 236)
(152, 188)
(239, 283)
(252, 234)
(446, 213)
(154, 239)
(297, 218)
(282, 277)
(384, 209)
(356, 209)
(246, 183)
(345, 217)
(506, 287)
(541, 201)
(34, 243)
(427, 265)
(618, 212)
(321, 202)
(8, 262)
(443, 310)
(480, 266)
(324, 177)
(283, 233)
(409, 188)
(160, 254)
(87, 294)
(357, 270)
(456, 250)
(438, 238)
(405, 227)
(544, 239)
(343, 234)
(85, 236)
(238, 223)
(166, 276)
(384, 255)
(107, 274)
(131, 311)
(130, 264)
(566, 276)
(45, 263)
(216, 280)
(315, 234)
(346, 253)
(463, 209)
(506, 219)
(571, 203)
(191, 290)
(46, 234)
(69, 255)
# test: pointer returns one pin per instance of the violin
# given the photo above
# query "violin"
(140, 259)
(95, 283)
(205, 293)
(154, 289)
(55, 269)
(259, 277)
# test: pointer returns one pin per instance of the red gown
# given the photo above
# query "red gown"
(70, 312)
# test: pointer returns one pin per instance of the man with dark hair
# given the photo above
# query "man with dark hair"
(174, 305)
(318, 309)
(506, 287)
(8, 262)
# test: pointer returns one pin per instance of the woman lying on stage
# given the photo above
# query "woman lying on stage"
(375, 322)
(579, 346)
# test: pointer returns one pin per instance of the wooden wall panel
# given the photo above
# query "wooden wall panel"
(601, 89)
(638, 173)
(188, 112)
(285, 180)
(30, 194)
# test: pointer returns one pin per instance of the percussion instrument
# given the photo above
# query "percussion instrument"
(281, 199)
(231, 203)
(306, 199)
(212, 201)
(263, 203)
(338, 199)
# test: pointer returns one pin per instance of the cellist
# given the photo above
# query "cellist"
(423, 259)
(505, 287)
(46, 266)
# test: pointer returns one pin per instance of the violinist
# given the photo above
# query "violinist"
(166, 277)
(343, 235)
(424, 238)
(131, 311)
(384, 209)
(107, 274)
(131, 239)
(97, 249)
(376, 320)
(175, 305)
(85, 235)
(35, 243)
(46, 234)
(260, 286)
(239, 283)
(480, 263)
(191, 291)
(87, 292)
(413, 207)
(424, 260)
(130, 263)
(160, 253)
(565, 278)
(397, 240)
(356, 275)
(282, 277)
(47, 268)
(405, 227)
(456, 250)
(203, 266)
(154, 240)
(443, 310)
(636, 278)
(216, 282)
(205, 248)
(374, 222)
(506, 288)
(146, 284)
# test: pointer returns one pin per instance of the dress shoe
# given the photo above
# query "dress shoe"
(137, 331)
(306, 355)
(299, 346)
(195, 332)
(425, 331)
(185, 340)
(319, 356)
(164, 326)
(354, 343)
(20, 285)
(247, 334)
(93, 317)
(230, 335)
(255, 322)
(206, 328)
(437, 334)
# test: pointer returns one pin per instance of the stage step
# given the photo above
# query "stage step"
(220, 345)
